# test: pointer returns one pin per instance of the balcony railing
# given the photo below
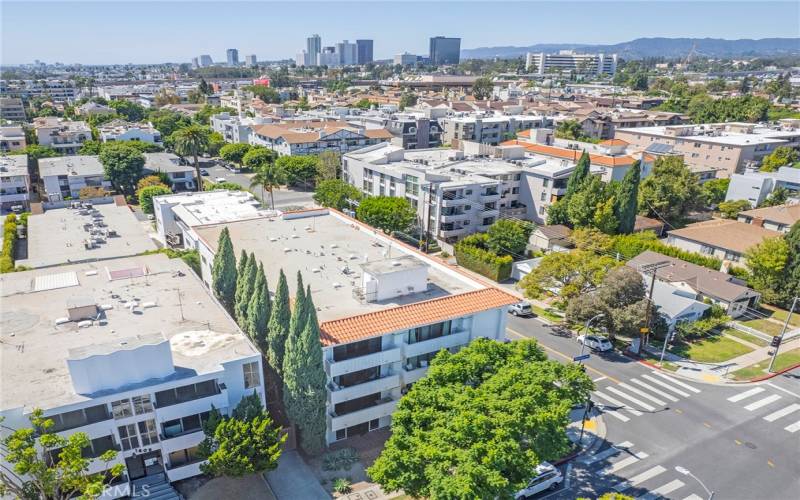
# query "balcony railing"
(385, 383)
(384, 357)
(383, 408)
(456, 338)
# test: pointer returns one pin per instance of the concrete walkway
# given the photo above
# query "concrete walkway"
(762, 353)
(294, 480)
(742, 341)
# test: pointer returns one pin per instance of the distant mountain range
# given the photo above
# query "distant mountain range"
(655, 47)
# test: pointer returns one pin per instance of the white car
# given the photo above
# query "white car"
(520, 309)
(220, 179)
(547, 478)
(595, 343)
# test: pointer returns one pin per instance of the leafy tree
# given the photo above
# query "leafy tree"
(627, 199)
(387, 213)
(258, 311)
(89, 192)
(778, 196)
(604, 218)
(329, 166)
(203, 117)
(638, 81)
(230, 186)
(167, 122)
(298, 169)
(146, 195)
(767, 263)
(46, 465)
(509, 237)
(130, 111)
(204, 87)
(480, 421)
(571, 273)
(782, 156)
(266, 94)
(223, 271)
(270, 177)
(712, 191)
(571, 130)
(482, 88)
(90, 148)
(364, 104)
(582, 205)
(576, 179)
(236, 447)
(278, 326)
(334, 193)
(158, 179)
(557, 212)
(670, 192)
(234, 153)
(215, 143)
(747, 108)
(258, 156)
(731, 209)
(790, 286)
(407, 100)
(123, 165)
(716, 85)
(592, 239)
(245, 281)
(192, 141)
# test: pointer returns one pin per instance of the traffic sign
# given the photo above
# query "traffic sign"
(644, 330)
(581, 357)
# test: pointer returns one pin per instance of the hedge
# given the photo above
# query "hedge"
(9, 238)
(471, 253)
(631, 245)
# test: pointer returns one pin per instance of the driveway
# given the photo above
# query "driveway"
(294, 480)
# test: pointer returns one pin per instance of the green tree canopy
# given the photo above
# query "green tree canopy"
(130, 111)
(334, 193)
(767, 264)
(123, 165)
(146, 195)
(782, 157)
(480, 421)
(387, 213)
(234, 153)
(670, 191)
(482, 88)
(509, 237)
(269, 176)
(167, 122)
(278, 326)
(329, 166)
(790, 286)
(731, 209)
(713, 191)
(578, 176)
(192, 140)
(245, 281)
(627, 199)
(223, 271)
(571, 273)
(259, 310)
(299, 170)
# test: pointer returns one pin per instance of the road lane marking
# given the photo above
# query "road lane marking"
(770, 463)
(737, 442)
(782, 389)
(707, 424)
(745, 395)
(624, 444)
(693, 497)
(642, 394)
(762, 402)
(640, 478)
(598, 379)
(631, 398)
(600, 456)
(678, 410)
(678, 382)
(618, 466)
(662, 490)
(782, 413)
(666, 385)
(618, 403)
(793, 428)
(654, 390)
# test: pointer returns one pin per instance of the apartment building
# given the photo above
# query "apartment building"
(755, 187)
(121, 130)
(59, 91)
(306, 138)
(12, 138)
(571, 61)
(235, 128)
(63, 177)
(601, 124)
(488, 128)
(385, 310)
(134, 352)
(12, 109)
(726, 148)
(181, 176)
(63, 135)
(92, 108)
(15, 183)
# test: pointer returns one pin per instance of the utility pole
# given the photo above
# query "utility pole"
(783, 332)
(649, 269)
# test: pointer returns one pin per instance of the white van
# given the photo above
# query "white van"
(547, 478)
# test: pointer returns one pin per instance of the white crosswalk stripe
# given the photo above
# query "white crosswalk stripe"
(793, 428)
(641, 393)
(618, 403)
(601, 456)
(662, 490)
(666, 386)
(654, 390)
(693, 497)
(745, 394)
(618, 466)
(640, 478)
(762, 402)
(630, 398)
(678, 382)
(782, 412)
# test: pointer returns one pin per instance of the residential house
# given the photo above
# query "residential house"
(15, 183)
(63, 135)
(721, 238)
(12, 138)
(92, 108)
(779, 218)
(676, 305)
(313, 138)
(121, 130)
(755, 187)
(551, 237)
(181, 176)
(63, 177)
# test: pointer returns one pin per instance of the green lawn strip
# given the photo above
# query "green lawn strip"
(781, 314)
(544, 313)
(733, 332)
(783, 361)
(710, 350)
(751, 371)
(787, 359)
(765, 326)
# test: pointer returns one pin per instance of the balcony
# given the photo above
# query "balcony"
(490, 212)
(178, 410)
(489, 197)
(384, 408)
(336, 368)
(414, 374)
(455, 217)
(452, 233)
(455, 202)
(340, 394)
(513, 212)
(457, 338)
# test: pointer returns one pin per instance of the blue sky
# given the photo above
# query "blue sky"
(156, 31)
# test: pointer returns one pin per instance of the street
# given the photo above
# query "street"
(742, 441)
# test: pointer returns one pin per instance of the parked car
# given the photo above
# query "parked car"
(521, 309)
(203, 172)
(547, 478)
(595, 343)
(220, 179)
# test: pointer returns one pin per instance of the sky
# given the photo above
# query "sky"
(146, 31)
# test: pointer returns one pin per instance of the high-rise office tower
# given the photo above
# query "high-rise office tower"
(251, 60)
(233, 57)
(348, 53)
(313, 48)
(205, 60)
(195, 63)
(364, 48)
(444, 50)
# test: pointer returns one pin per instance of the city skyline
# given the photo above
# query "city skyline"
(160, 39)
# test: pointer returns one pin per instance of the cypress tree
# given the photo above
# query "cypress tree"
(258, 311)
(581, 172)
(305, 381)
(246, 276)
(278, 328)
(627, 200)
(292, 358)
(223, 271)
(298, 320)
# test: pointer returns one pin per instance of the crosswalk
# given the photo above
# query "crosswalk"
(779, 409)
(649, 392)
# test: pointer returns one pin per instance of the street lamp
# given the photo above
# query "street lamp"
(687, 472)
(586, 328)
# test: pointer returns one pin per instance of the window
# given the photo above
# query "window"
(142, 404)
(428, 332)
(341, 434)
(183, 457)
(251, 375)
(98, 446)
(545, 182)
(121, 408)
(186, 393)
(543, 196)
(78, 418)
(148, 432)
(127, 436)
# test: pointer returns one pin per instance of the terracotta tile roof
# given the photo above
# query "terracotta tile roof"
(524, 133)
(572, 154)
(363, 326)
(614, 142)
(378, 133)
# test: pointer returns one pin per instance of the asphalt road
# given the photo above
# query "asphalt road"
(741, 441)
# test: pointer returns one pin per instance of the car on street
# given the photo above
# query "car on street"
(522, 308)
(203, 172)
(220, 179)
(547, 477)
(595, 343)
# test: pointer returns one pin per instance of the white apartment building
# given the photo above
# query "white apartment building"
(12, 109)
(12, 138)
(385, 310)
(488, 128)
(63, 135)
(755, 187)
(134, 352)
(120, 130)
(236, 129)
(405, 59)
(64, 176)
(569, 60)
(181, 176)
(15, 183)
(56, 90)
(313, 138)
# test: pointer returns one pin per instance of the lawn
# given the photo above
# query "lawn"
(547, 314)
(710, 350)
(763, 325)
(783, 361)
(780, 314)
(733, 332)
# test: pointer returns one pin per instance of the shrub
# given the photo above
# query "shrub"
(340, 460)
(146, 196)
(471, 252)
(341, 485)
(630, 245)
(9, 239)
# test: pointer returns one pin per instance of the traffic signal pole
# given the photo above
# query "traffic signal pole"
(780, 337)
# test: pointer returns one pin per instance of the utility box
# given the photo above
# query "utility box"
(80, 308)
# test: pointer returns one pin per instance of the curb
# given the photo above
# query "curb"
(598, 438)
(768, 376)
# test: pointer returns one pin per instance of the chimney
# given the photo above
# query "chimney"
(757, 221)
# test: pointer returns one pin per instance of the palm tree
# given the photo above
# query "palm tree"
(192, 140)
(270, 177)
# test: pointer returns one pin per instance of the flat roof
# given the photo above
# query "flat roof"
(724, 135)
(165, 162)
(214, 207)
(34, 349)
(57, 236)
(328, 248)
(13, 165)
(70, 165)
